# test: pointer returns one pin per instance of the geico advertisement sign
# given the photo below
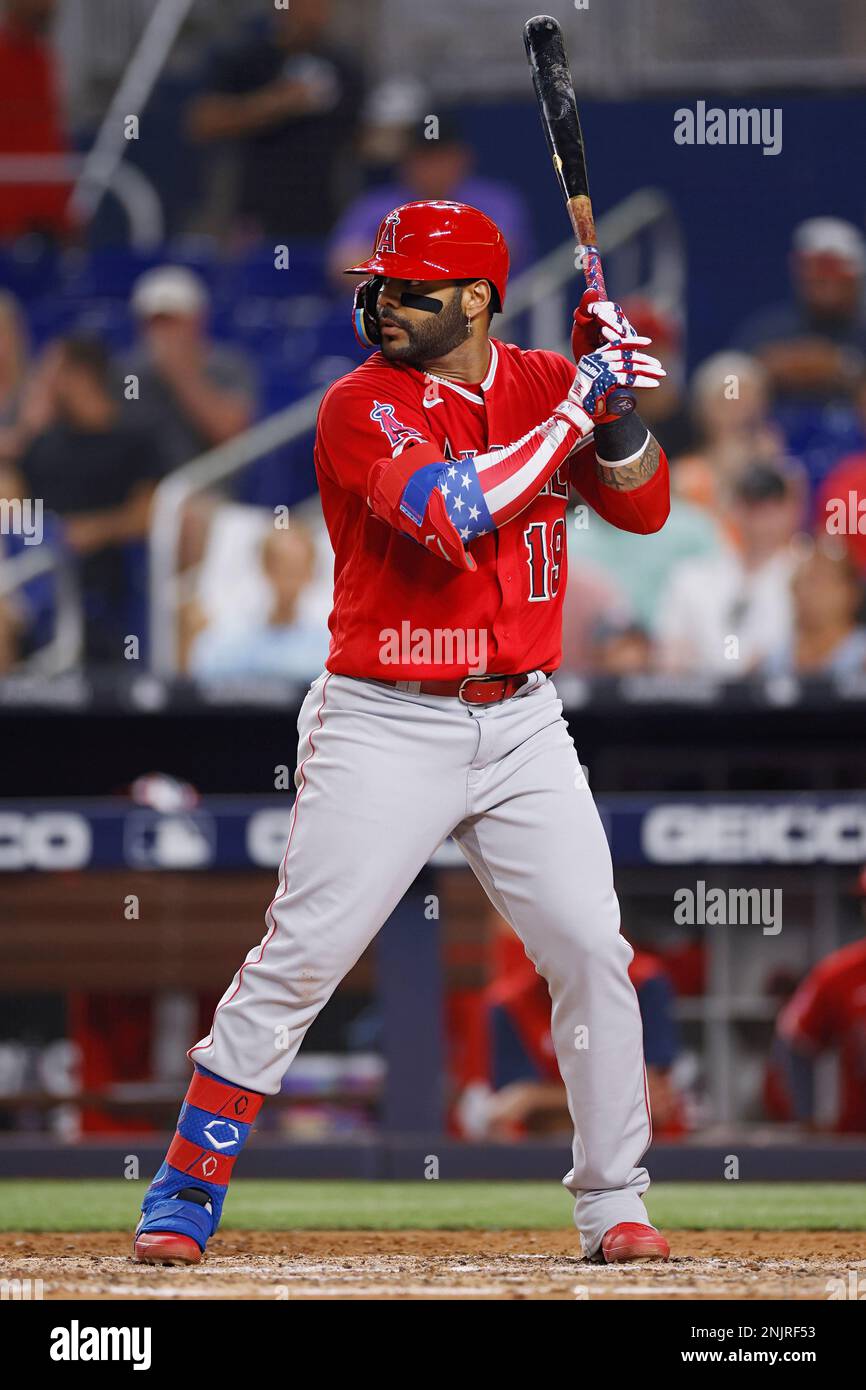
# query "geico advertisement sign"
(787, 833)
(44, 840)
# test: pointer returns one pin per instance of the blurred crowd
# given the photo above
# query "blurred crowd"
(760, 569)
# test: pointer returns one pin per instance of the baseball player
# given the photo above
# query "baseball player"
(827, 1013)
(445, 463)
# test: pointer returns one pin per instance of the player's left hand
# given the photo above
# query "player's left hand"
(608, 369)
(598, 321)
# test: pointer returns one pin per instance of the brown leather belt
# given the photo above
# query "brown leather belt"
(472, 690)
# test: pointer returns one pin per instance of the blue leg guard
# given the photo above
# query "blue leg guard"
(187, 1194)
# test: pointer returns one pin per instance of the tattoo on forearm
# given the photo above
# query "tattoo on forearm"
(632, 475)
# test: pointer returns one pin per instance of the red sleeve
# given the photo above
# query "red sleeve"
(359, 424)
(643, 510)
(371, 442)
(808, 1017)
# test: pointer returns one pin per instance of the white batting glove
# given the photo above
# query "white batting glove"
(600, 321)
(612, 367)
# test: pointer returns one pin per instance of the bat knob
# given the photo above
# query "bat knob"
(620, 403)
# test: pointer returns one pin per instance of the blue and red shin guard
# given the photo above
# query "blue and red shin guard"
(184, 1203)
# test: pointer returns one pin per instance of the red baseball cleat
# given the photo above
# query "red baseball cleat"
(165, 1248)
(631, 1240)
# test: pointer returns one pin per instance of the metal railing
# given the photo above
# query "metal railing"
(103, 164)
(172, 494)
(541, 292)
(63, 651)
(132, 189)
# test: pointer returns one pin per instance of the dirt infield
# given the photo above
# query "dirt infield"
(439, 1265)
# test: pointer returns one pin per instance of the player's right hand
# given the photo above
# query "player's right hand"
(599, 321)
(610, 368)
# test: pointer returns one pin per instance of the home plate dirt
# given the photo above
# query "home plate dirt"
(438, 1265)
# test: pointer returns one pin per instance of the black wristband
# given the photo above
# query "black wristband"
(620, 438)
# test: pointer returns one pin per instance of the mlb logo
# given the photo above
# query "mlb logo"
(154, 841)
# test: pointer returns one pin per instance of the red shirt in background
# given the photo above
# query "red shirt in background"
(828, 1010)
(842, 505)
(30, 123)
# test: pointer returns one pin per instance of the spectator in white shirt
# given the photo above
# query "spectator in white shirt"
(282, 643)
(723, 614)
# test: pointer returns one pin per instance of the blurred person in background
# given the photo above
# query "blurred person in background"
(524, 1091)
(392, 109)
(722, 615)
(31, 396)
(827, 1015)
(14, 367)
(828, 635)
(31, 118)
(611, 603)
(96, 471)
(841, 502)
(671, 420)
(730, 404)
(28, 613)
(9, 628)
(283, 643)
(594, 600)
(637, 576)
(814, 346)
(196, 392)
(621, 649)
(433, 168)
(289, 101)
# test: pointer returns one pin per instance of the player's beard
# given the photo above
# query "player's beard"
(430, 337)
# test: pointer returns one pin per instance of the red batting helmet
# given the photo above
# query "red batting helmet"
(433, 240)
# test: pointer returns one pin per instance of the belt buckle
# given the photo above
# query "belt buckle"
(476, 680)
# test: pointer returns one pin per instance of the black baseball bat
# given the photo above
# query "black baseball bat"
(557, 105)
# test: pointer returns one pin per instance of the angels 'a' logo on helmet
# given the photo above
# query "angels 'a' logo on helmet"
(388, 237)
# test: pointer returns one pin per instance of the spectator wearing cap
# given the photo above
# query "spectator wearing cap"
(814, 345)
(196, 392)
(723, 615)
(438, 164)
(828, 636)
(288, 100)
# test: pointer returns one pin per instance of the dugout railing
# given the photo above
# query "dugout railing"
(202, 877)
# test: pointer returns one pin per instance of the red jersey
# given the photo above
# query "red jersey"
(829, 1010)
(30, 123)
(400, 609)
